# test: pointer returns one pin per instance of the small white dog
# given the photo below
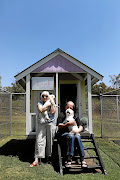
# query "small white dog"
(70, 117)
(51, 100)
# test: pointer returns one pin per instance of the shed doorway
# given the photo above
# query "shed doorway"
(68, 92)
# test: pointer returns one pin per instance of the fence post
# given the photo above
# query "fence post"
(101, 107)
(117, 109)
(10, 113)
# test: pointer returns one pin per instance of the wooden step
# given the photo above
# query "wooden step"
(79, 168)
(86, 157)
(88, 148)
(94, 167)
(91, 157)
(87, 140)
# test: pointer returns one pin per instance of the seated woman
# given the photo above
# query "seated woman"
(70, 138)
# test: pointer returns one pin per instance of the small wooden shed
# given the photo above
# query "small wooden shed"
(62, 75)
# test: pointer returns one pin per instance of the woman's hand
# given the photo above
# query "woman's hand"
(44, 107)
(51, 98)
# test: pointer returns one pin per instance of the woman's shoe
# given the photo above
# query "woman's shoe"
(34, 164)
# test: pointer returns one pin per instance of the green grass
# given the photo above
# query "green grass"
(13, 168)
(109, 148)
(111, 129)
(18, 125)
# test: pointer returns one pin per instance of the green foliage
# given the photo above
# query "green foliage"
(15, 88)
(115, 80)
(95, 88)
(115, 83)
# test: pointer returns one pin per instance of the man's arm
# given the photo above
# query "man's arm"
(80, 128)
(79, 124)
(61, 125)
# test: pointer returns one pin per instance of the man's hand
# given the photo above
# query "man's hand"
(75, 131)
(61, 125)
(72, 122)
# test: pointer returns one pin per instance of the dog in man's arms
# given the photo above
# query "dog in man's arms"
(70, 117)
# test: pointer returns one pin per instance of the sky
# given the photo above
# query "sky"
(88, 30)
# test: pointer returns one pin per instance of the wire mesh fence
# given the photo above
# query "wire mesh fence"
(105, 115)
(12, 114)
(96, 115)
(111, 114)
(5, 113)
(18, 114)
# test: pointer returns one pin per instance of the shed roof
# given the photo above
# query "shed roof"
(59, 61)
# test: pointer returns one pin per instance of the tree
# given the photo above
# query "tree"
(115, 83)
(15, 88)
(115, 80)
(95, 88)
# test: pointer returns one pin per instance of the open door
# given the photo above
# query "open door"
(68, 92)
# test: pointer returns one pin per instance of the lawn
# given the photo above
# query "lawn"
(16, 158)
(15, 161)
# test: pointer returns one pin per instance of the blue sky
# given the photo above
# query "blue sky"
(88, 30)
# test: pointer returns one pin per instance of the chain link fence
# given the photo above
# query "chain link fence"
(12, 114)
(5, 114)
(110, 116)
(18, 127)
(96, 115)
(106, 116)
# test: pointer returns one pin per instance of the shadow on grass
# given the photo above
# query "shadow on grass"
(24, 149)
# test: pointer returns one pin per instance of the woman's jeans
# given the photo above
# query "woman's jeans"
(71, 139)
